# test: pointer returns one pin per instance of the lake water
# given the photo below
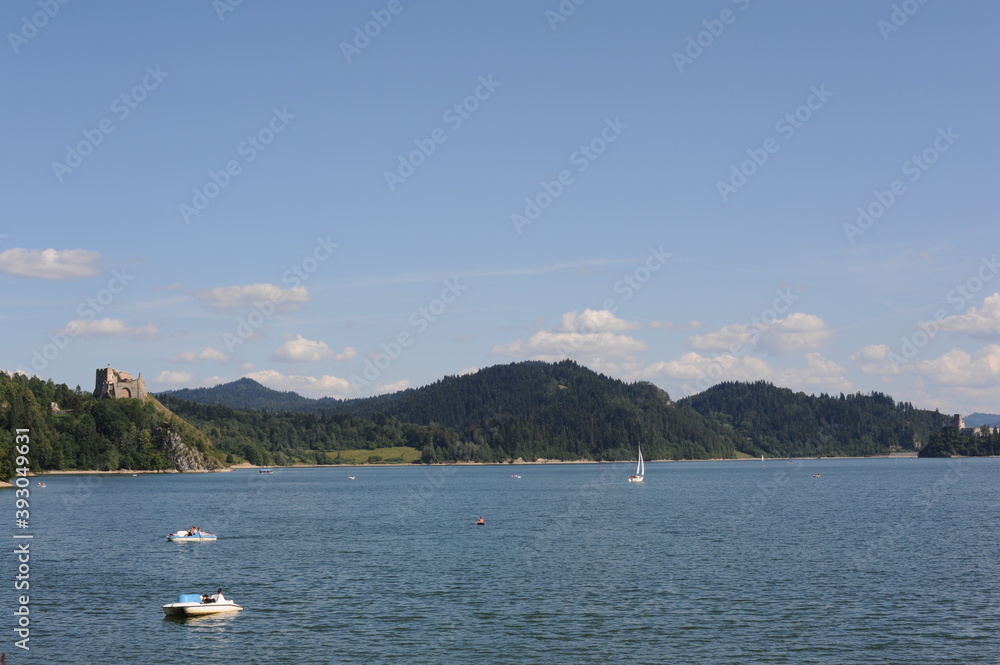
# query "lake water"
(874, 561)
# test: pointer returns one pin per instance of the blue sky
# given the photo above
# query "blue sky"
(674, 192)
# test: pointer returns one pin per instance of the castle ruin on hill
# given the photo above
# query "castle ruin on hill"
(112, 383)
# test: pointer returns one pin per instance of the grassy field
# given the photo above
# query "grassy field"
(397, 455)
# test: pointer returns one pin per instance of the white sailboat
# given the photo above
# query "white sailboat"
(640, 470)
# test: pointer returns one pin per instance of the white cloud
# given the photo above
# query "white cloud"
(982, 322)
(209, 353)
(695, 372)
(112, 327)
(874, 359)
(595, 320)
(692, 367)
(169, 378)
(267, 295)
(797, 333)
(383, 388)
(955, 382)
(300, 349)
(960, 368)
(724, 338)
(309, 386)
(672, 325)
(545, 345)
(50, 263)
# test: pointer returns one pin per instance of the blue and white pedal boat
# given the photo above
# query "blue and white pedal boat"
(193, 605)
(186, 536)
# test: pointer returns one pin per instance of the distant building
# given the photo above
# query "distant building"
(112, 383)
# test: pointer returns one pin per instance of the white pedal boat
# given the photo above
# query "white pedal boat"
(184, 535)
(195, 605)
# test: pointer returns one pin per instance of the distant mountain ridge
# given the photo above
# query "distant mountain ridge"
(248, 395)
(980, 419)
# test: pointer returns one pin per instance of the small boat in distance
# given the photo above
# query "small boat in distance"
(192, 534)
(42, 485)
(265, 470)
(515, 475)
(350, 477)
(640, 470)
(194, 605)
(481, 521)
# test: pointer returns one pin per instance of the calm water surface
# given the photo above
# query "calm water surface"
(874, 561)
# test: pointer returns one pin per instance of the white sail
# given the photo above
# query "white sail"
(640, 470)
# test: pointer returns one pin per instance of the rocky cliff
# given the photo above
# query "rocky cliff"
(184, 458)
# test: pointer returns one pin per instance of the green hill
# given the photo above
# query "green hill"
(529, 410)
(781, 423)
(557, 411)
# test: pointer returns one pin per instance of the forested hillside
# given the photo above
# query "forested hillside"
(559, 411)
(779, 422)
(89, 433)
(950, 442)
(286, 437)
(529, 410)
